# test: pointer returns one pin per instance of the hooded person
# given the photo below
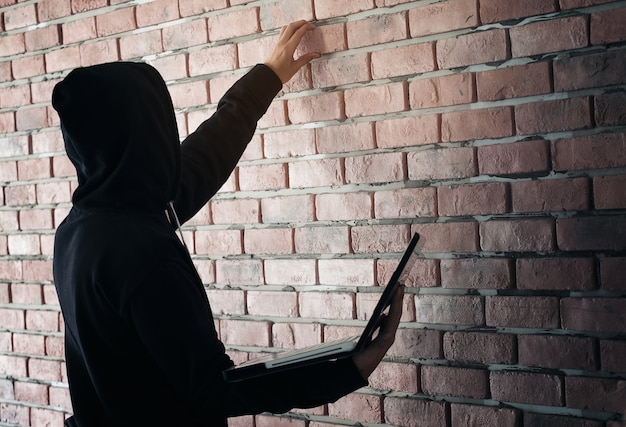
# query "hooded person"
(140, 341)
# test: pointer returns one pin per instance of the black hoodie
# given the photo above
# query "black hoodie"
(140, 341)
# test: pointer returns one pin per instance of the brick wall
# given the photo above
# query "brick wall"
(497, 131)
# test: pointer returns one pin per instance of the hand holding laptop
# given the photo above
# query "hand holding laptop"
(368, 359)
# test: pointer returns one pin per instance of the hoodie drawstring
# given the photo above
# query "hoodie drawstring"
(173, 219)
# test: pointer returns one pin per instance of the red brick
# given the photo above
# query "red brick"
(408, 131)
(229, 302)
(450, 310)
(222, 242)
(31, 392)
(595, 394)
(327, 106)
(55, 346)
(380, 238)
(346, 272)
(20, 17)
(48, 10)
(157, 12)
(424, 273)
(53, 192)
(589, 152)
(9, 220)
(300, 142)
(514, 82)
(28, 344)
(268, 241)
(522, 312)
(38, 168)
(79, 6)
(330, 8)
(343, 138)
(521, 387)
(609, 109)
(417, 58)
(255, 51)
(99, 52)
(496, 11)
(117, 21)
(15, 96)
(263, 177)
(612, 274)
(315, 173)
(20, 195)
(475, 48)
(452, 381)
(367, 408)
(320, 240)
(276, 13)
(324, 39)
(11, 270)
(375, 168)
(184, 35)
(405, 203)
(327, 305)
(442, 91)
(340, 70)
(474, 199)
(12, 44)
(46, 417)
(377, 30)
(594, 70)
(445, 163)
(198, 7)
(285, 209)
(79, 30)
(296, 335)
(141, 44)
(448, 237)
(24, 244)
(477, 273)
(479, 347)
(28, 66)
(551, 195)
(593, 314)
(517, 235)
(549, 36)
(235, 211)
(343, 206)
(274, 421)
(42, 320)
(481, 415)
(15, 414)
(591, 233)
(32, 118)
(233, 24)
(443, 17)
(212, 60)
(290, 272)
(242, 272)
(553, 116)
(574, 274)
(266, 303)
(411, 412)
(7, 122)
(557, 352)
(63, 59)
(44, 369)
(542, 420)
(477, 124)
(13, 365)
(612, 356)
(245, 332)
(570, 4)
(395, 376)
(514, 158)
(24, 293)
(206, 270)
(608, 26)
(371, 100)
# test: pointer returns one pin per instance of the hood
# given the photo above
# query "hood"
(120, 133)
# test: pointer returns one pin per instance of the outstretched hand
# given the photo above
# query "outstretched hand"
(281, 60)
(368, 359)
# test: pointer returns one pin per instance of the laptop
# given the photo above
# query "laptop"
(335, 349)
